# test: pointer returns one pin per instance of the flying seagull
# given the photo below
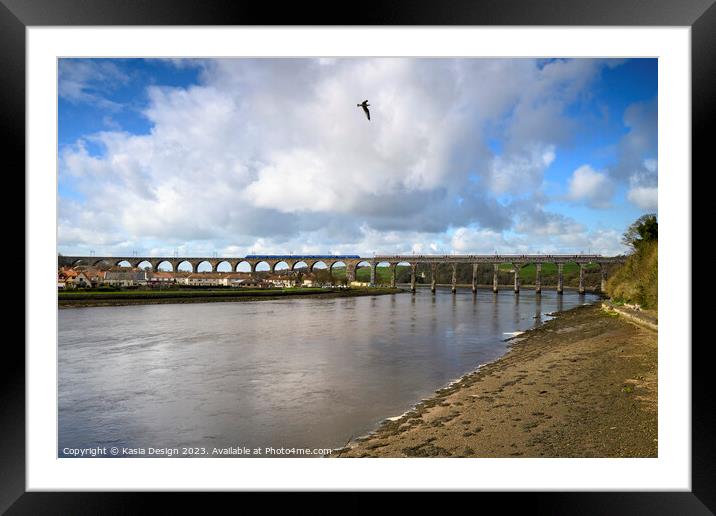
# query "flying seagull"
(365, 105)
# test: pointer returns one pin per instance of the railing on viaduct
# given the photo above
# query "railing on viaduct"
(352, 262)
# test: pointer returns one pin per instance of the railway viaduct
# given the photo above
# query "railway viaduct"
(352, 262)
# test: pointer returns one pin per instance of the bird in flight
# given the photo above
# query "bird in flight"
(365, 105)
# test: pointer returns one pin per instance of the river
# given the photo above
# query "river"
(212, 379)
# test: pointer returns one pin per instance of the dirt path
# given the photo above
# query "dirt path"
(582, 385)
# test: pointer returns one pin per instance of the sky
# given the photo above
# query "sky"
(228, 157)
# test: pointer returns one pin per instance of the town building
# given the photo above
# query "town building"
(82, 280)
(129, 278)
(281, 281)
(206, 279)
(161, 278)
(65, 278)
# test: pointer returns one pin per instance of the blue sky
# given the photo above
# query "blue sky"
(273, 155)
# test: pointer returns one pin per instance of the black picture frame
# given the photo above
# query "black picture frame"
(17, 15)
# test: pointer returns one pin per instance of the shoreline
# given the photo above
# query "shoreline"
(559, 391)
(196, 297)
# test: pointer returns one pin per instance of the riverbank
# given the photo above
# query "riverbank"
(124, 298)
(648, 318)
(581, 385)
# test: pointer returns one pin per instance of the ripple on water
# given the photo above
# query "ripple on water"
(294, 372)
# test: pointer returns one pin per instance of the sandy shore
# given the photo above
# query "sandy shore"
(582, 385)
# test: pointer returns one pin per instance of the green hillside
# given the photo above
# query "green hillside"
(637, 281)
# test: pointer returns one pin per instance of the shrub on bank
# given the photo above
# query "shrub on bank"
(637, 281)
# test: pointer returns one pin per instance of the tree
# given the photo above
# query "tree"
(322, 276)
(644, 229)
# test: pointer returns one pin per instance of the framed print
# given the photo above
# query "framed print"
(416, 253)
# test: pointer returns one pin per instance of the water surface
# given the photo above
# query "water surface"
(305, 373)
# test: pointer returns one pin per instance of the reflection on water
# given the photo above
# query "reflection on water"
(307, 373)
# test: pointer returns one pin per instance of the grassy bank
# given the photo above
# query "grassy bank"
(637, 281)
(129, 297)
(582, 385)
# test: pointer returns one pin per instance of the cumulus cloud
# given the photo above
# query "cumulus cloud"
(519, 173)
(590, 186)
(599, 241)
(638, 146)
(478, 241)
(637, 162)
(273, 154)
(573, 239)
(645, 197)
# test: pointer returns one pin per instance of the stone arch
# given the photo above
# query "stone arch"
(81, 261)
(262, 266)
(339, 271)
(243, 266)
(228, 267)
(120, 262)
(383, 277)
(200, 267)
(144, 264)
(403, 271)
(297, 265)
(164, 262)
(99, 261)
(362, 271)
(277, 268)
(187, 262)
(313, 265)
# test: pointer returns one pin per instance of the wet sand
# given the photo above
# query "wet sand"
(582, 385)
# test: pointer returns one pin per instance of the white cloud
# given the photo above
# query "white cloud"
(83, 81)
(636, 154)
(573, 238)
(650, 164)
(520, 173)
(477, 241)
(600, 241)
(645, 197)
(643, 191)
(273, 154)
(590, 186)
